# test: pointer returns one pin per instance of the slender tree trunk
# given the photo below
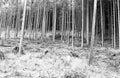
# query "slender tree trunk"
(48, 21)
(34, 29)
(112, 34)
(119, 21)
(29, 18)
(114, 24)
(44, 18)
(1, 21)
(62, 27)
(22, 30)
(13, 20)
(93, 23)
(32, 20)
(13, 25)
(30, 23)
(26, 24)
(5, 24)
(93, 30)
(65, 27)
(17, 19)
(38, 17)
(69, 25)
(87, 22)
(10, 23)
(82, 32)
(73, 22)
(54, 25)
(6, 21)
(18, 24)
(102, 29)
(6, 18)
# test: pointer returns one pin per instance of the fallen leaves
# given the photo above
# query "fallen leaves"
(58, 60)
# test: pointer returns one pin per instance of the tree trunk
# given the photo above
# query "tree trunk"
(65, 27)
(93, 24)
(68, 34)
(5, 25)
(22, 30)
(1, 21)
(93, 30)
(87, 22)
(9, 25)
(102, 29)
(114, 24)
(34, 29)
(112, 34)
(82, 32)
(44, 18)
(69, 24)
(54, 25)
(17, 19)
(38, 17)
(73, 22)
(30, 23)
(62, 27)
(119, 21)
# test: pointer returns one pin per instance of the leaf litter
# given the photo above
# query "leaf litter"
(58, 60)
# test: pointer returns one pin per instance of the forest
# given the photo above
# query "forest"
(59, 38)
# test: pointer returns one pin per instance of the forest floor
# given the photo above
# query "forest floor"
(47, 59)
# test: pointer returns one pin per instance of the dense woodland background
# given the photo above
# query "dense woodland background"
(88, 21)
(60, 38)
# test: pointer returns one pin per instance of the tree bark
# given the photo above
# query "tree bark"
(62, 27)
(93, 31)
(54, 25)
(38, 17)
(73, 23)
(82, 32)
(87, 22)
(119, 21)
(93, 24)
(114, 24)
(44, 18)
(112, 34)
(22, 30)
(102, 29)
